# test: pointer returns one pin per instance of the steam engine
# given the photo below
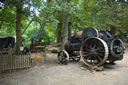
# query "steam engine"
(95, 47)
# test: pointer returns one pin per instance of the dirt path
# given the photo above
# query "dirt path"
(53, 73)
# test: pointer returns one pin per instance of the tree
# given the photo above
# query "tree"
(19, 6)
(20, 11)
(102, 14)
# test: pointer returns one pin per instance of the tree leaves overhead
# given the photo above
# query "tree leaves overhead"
(102, 14)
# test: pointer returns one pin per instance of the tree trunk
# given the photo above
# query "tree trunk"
(18, 28)
(65, 33)
(59, 33)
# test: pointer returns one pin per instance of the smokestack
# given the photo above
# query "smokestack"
(69, 30)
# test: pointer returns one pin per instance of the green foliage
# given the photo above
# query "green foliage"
(7, 21)
(102, 14)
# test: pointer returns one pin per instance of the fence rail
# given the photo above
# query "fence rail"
(12, 62)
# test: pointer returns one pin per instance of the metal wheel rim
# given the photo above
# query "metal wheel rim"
(105, 57)
(62, 56)
(94, 29)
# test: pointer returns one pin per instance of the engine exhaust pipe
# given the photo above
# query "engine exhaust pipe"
(69, 30)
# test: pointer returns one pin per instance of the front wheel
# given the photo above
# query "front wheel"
(63, 57)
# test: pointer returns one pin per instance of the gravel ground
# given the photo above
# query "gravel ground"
(53, 73)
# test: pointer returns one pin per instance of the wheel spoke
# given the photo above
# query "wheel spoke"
(99, 58)
(63, 57)
(61, 54)
(100, 54)
(100, 49)
(87, 46)
(86, 55)
(90, 46)
(94, 51)
(94, 45)
(87, 50)
(96, 59)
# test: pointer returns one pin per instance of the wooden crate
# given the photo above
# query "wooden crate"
(12, 62)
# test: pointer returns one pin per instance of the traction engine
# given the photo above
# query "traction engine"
(95, 47)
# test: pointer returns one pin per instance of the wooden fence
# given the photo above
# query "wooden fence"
(12, 62)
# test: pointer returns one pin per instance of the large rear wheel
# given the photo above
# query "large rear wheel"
(94, 51)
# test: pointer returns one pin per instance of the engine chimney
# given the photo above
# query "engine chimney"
(69, 30)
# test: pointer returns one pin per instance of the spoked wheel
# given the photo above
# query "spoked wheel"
(94, 51)
(63, 57)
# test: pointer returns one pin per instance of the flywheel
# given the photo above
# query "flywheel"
(89, 32)
(94, 51)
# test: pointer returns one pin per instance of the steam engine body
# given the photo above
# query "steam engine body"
(95, 47)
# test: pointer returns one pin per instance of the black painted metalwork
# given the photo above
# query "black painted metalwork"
(95, 47)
